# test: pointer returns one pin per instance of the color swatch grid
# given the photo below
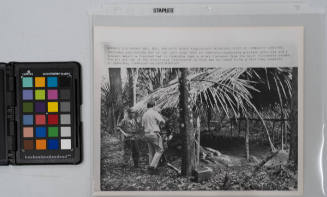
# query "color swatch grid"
(46, 113)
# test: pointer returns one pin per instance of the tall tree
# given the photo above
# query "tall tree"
(115, 99)
(198, 140)
(293, 157)
(132, 74)
(186, 124)
(247, 139)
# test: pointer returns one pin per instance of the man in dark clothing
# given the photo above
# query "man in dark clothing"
(129, 129)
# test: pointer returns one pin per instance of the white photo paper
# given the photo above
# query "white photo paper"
(198, 110)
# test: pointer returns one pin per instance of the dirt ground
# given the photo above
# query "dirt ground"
(118, 177)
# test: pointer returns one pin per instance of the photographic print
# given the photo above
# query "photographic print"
(212, 111)
(199, 129)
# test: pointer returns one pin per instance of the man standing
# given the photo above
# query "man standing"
(129, 129)
(151, 121)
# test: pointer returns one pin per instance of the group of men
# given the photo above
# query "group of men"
(151, 122)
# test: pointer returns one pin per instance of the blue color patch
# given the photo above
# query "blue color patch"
(53, 144)
(27, 94)
(27, 82)
(40, 132)
(28, 119)
(52, 82)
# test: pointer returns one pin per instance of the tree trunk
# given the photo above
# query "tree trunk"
(273, 131)
(293, 157)
(282, 124)
(135, 77)
(198, 138)
(285, 132)
(231, 127)
(282, 129)
(239, 127)
(131, 91)
(186, 125)
(209, 114)
(247, 136)
(115, 97)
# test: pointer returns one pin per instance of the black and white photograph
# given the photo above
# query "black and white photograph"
(206, 110)
(183, 129)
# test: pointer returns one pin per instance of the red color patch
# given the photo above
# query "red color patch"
(40, 119)
(52, 119)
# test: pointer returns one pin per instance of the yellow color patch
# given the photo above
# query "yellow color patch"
(41, 145)
(39, 81)
(52, 106)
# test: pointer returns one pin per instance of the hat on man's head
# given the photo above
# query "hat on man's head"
(150, 104)
(129, 110)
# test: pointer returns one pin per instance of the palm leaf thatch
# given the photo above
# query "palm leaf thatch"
(220, 88)
(233, 91)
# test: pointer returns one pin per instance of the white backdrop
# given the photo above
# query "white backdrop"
(42, 30)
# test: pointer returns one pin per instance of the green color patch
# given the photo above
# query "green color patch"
(53, 132)
(27, 107)
(27, 82)
(39, 94)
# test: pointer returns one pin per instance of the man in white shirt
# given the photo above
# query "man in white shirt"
(151, 121)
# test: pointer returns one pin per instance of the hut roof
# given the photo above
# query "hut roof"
(232, 90)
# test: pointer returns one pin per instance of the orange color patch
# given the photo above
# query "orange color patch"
(39, 81)
(41, 144)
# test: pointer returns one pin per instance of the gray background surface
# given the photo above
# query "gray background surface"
(59, 30)
(56, 30)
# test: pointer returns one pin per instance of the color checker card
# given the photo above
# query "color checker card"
(48, 117)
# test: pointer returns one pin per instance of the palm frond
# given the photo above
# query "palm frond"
(235, 91)
(220, 88)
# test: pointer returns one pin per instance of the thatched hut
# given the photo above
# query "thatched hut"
(235, 92)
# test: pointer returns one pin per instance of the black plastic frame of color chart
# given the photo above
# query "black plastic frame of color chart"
(76, 101)
(3, 130)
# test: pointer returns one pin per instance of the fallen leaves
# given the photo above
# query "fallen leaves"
(115, 176)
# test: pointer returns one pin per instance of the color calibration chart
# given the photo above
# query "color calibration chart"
(46, 112)
(40, 113)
